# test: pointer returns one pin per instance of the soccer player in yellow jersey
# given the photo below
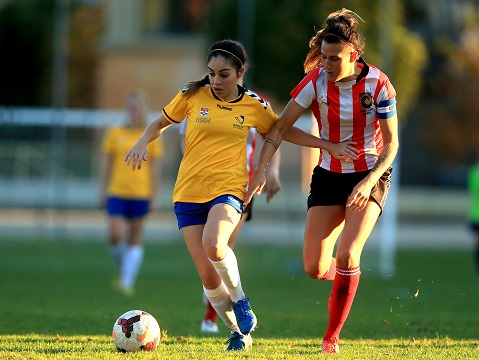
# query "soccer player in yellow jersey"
(209, 322)
(128, 196)
(212, 179)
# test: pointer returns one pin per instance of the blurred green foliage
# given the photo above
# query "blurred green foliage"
(450, 118)
(25, 39)
(26, 42)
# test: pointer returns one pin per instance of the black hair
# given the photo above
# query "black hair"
(233, 51)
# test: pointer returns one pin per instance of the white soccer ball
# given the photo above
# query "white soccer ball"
(136, 330)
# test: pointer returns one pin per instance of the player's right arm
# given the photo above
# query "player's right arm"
(138, 153)
(290, 114)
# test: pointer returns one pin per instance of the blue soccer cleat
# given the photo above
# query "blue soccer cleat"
(245, 317)
(239, 342)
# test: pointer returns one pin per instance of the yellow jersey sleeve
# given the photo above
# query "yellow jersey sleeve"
(177, 109)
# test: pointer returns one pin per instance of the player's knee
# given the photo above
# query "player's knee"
(315, 271)
(214, 251)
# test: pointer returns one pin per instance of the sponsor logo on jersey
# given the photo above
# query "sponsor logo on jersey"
(203, 120)
(221, 107)
(204, 111)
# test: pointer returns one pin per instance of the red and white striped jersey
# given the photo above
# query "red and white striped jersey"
(349, 111)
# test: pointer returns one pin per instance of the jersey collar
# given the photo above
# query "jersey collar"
(364, 71)
(241, 92)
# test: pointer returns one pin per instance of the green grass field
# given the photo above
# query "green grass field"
(57, 302)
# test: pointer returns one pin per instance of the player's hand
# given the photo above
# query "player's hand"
(359, 197)
(255, 187)
(344, 150)
(273, 185)
(137, 154)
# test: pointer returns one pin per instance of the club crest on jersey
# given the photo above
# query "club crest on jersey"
(240, 121)
(204, 111)
(366, 100)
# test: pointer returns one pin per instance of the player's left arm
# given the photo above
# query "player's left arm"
(359, 197)
(390, 134)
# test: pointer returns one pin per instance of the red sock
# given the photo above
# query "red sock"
(342, 296)
(211, 313)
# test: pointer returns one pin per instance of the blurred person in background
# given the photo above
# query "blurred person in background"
(273, 185)
(212, 179)
(355, 106)
(473, 187)
(128, 196)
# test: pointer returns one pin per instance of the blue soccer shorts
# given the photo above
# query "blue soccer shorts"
(189, 214)
(127, 208)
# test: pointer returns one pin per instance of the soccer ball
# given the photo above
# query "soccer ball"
(136, 330)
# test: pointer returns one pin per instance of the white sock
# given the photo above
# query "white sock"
(132, 260)
(228, 270)
(221, 302)
(116, 252)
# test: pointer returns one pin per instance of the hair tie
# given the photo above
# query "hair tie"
(226, 51)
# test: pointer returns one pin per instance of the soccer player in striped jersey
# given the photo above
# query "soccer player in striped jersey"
(355, 106)
(212, 179)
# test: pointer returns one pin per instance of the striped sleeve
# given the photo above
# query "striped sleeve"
(304, 93)
(386, 99)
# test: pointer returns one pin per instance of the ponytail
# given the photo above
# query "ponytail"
(193, 87)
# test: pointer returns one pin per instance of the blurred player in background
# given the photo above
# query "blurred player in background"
(212, 179)
(273, 185)
(128, 196)
(473, 187)
(355, 107)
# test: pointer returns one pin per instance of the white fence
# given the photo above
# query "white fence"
(51, 158)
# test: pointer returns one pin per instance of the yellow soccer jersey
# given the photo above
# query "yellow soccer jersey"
(124, 182)
(214, 162)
